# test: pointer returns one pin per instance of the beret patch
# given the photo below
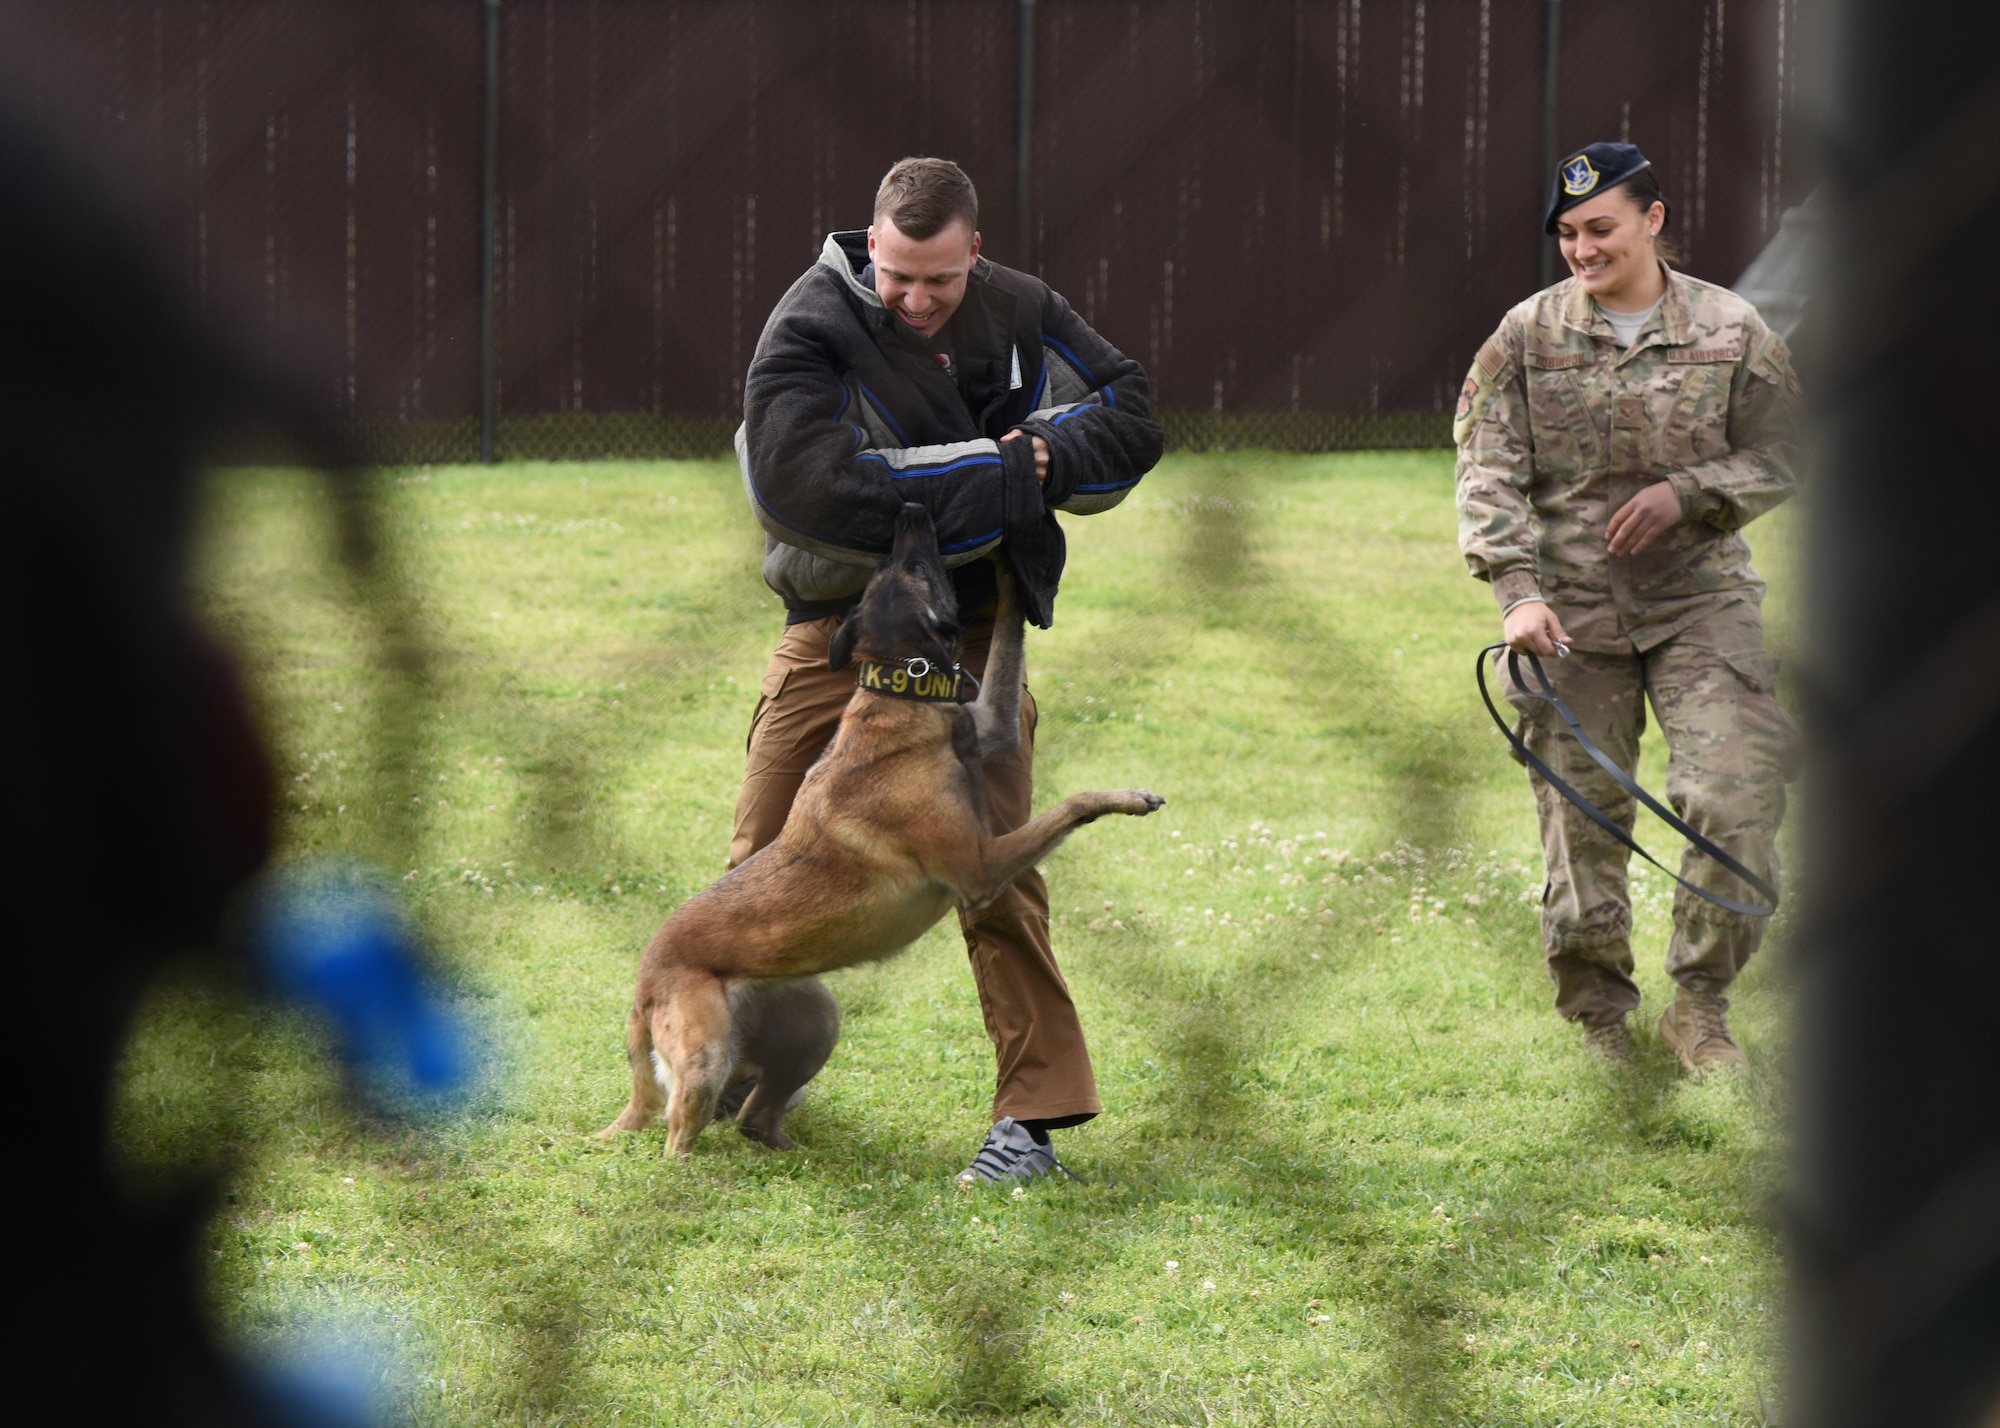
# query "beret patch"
(1591, 170)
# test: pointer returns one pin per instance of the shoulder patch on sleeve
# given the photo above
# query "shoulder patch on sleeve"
(1489, 368)
(1773, 363)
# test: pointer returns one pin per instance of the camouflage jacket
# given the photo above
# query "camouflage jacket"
(1558, 427)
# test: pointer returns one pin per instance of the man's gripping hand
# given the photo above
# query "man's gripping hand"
(1041, 455)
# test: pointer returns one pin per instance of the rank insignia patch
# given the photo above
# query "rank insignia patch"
(1579, 177)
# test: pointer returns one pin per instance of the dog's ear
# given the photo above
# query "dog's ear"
(840, 649)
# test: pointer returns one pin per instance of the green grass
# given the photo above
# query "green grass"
(1353, 1169)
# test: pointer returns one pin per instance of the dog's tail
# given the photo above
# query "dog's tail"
(663, 1074)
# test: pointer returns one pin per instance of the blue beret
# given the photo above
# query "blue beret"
(1588, 172)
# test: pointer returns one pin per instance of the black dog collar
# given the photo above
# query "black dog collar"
(913, 678)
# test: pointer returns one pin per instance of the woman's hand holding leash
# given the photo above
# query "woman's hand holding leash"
(1533, 627)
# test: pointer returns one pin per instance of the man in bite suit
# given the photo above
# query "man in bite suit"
(902, 366)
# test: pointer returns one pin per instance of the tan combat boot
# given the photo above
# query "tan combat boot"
(1609, 1040)
(1696, 1026)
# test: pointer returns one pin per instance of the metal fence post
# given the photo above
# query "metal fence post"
(1551, 64)
(489, 184)
(1024, 138)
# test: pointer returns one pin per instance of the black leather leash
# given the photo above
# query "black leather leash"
(1546, 694)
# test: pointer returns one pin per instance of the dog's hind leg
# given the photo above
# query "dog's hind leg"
(649, 1097)
(691, 1031)
(787, 1029)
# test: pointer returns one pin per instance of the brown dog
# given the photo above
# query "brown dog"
(889, 831)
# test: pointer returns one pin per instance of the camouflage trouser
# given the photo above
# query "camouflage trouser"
(1729, 749)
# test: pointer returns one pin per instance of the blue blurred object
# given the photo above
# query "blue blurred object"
(335, 939)
(334, 1392)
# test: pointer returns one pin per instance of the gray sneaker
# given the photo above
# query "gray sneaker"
(1010, 1153)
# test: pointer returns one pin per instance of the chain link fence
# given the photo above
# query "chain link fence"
(1302, 215)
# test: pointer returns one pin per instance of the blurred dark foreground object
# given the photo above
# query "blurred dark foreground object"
(135, 800)
(1894, 1200)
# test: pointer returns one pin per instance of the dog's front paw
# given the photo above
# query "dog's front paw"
(1143, 802)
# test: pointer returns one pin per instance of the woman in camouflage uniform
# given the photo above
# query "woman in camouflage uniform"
(1614, 435)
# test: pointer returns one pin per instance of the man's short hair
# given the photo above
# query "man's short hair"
(922, 197)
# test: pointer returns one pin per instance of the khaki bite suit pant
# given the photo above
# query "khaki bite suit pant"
(1730, 748)
(1044, 1070)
